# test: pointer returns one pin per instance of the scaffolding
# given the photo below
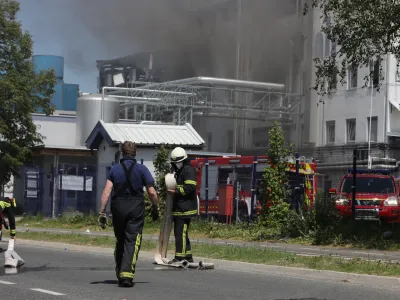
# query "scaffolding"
(210, 97)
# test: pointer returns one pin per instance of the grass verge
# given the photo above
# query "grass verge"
(363, 236)
(251, 255)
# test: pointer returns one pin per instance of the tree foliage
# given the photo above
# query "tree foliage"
(364, 31)
(275, 177)
(22, 92)
(162, 167)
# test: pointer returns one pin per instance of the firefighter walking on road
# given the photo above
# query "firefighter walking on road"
(127, 180)
(185, 203)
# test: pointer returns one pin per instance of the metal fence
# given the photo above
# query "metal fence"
(68, 188)
(58, 190)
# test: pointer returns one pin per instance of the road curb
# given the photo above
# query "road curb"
(381, 282)
(371, 255)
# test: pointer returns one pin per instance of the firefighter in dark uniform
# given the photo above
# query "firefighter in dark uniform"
(127, 180)
(6, 207)
(185, 203)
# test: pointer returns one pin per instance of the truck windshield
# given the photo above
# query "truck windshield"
(369, 185)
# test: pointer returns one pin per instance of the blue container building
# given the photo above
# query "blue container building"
(66, 94)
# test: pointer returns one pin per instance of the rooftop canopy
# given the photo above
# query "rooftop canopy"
(145, 135)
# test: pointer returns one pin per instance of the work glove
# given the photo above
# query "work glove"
(154, 212)
(102, 219)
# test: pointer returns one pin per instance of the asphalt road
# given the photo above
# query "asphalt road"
(68, 274)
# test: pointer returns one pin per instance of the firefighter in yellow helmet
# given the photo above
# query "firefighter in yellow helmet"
(185, 202)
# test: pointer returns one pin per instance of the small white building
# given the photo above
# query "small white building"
(106, 138)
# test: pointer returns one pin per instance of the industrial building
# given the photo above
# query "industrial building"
(241, 74)
(225, 89)
(81, 143)
(66, 94)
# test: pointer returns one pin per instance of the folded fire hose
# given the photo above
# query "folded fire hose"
(11, 258)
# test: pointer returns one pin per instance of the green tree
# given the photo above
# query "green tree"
(364, 31)
(162, 167)
(22, 92)
(275, 177)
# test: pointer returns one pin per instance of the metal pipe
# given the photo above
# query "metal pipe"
(137, 98)
(225, 82)
(148, 90)
(159, 101)
(216, 115)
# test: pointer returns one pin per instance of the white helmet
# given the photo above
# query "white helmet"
(178, 155)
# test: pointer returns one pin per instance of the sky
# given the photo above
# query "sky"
(56, 31)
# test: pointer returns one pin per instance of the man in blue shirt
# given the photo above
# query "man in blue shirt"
(127, 180)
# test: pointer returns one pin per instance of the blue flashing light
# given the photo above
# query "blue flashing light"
(371, 171)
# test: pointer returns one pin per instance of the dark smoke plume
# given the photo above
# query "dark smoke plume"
(124, 27)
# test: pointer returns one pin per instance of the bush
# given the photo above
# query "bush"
(294, 225)
(274, 177)
(162, 167)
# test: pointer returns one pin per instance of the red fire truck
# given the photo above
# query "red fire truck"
(377, 196)
(227, 186)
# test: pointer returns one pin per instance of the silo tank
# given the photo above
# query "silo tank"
(88, 113)
(47, 62)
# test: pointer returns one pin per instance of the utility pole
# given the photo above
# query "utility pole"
(370, 118)
(238, 53)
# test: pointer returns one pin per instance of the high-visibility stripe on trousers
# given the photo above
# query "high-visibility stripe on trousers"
(128, 224)
(182, 243)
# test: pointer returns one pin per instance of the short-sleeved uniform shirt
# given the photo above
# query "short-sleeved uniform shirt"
(139, 178)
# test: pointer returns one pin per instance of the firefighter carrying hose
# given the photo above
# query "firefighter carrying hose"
(127, 179)
(6, 206)
(185, 203)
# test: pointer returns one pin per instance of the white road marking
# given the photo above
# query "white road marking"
(6, 282)
(48, 292)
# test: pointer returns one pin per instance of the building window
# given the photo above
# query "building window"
(352, 77)
(374, 72)
(374, 129)
(330, 132)
(351, 130)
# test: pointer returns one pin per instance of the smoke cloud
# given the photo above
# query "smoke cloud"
(203, 31)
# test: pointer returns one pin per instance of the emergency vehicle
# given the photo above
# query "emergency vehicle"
(227, 186)
(377, 196)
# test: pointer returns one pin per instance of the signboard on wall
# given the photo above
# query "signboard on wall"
(75, 183)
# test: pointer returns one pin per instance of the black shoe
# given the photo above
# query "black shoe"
(125, 282)
(176, 260)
